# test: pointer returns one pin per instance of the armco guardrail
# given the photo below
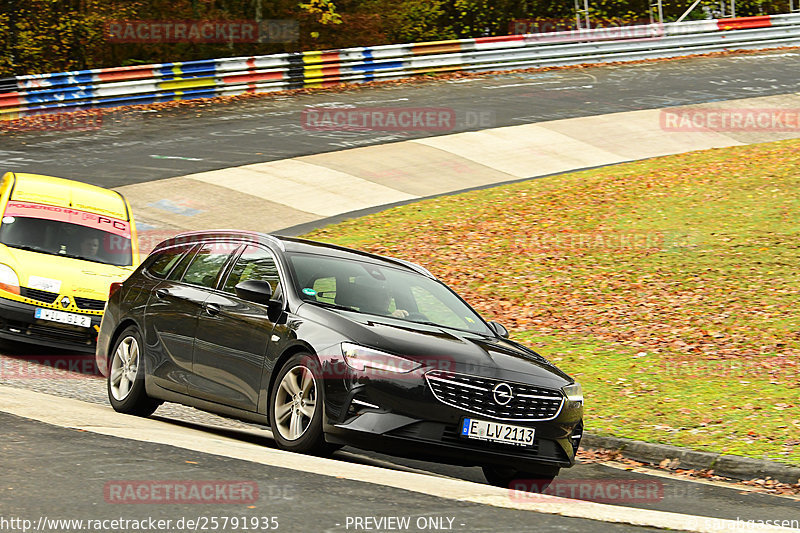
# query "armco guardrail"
(120, 86)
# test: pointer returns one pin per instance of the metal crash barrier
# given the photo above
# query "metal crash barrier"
(122, 86)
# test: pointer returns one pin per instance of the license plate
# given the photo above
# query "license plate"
(496, 432)
(44, 284)
(62, 317)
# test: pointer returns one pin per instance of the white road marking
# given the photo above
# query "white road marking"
(573, 79)
(69, 413)
(179, 157)
(522, 84)
(569, 87)
(765, 56)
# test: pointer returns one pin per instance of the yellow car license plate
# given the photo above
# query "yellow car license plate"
(64, 318)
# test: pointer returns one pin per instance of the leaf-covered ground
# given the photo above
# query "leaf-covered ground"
(669, 287)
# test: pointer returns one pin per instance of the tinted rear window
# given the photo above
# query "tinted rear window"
(161, 261)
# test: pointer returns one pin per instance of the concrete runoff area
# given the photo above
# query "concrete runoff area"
(294, 182)
(412, 167)
(279, 194)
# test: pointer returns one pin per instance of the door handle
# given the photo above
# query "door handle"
(162, 293)
(212, 309)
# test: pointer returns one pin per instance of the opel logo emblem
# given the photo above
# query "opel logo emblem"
(502, 393)
(65, 301)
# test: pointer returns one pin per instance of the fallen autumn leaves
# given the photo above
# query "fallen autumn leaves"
(677, 274)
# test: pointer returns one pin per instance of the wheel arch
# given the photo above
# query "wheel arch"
(122, 326)
(286, 354)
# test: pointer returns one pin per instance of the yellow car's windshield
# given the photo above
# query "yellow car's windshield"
(66, 232)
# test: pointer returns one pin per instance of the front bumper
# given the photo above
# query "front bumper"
(17, 323)
(403, 417)
(427, 440)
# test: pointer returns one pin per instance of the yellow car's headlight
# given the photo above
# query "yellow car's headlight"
(9, 281)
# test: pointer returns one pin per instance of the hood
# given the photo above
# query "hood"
(64, 275)
(440, 347)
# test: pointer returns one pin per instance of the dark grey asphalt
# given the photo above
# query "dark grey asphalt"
(672, 494)
(140, 146)
(62, 474)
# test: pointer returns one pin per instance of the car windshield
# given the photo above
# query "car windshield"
(365, 287)
(76, 234)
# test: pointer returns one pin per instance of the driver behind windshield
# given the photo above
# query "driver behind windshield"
(375, 299)
(90, 246)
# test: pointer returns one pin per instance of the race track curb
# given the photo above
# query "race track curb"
(732, 466)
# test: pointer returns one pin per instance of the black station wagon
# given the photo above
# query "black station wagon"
(330, 346)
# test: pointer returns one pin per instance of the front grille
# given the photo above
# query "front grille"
(88, 303)
(38, 295)
(476, 395)
(61, 334)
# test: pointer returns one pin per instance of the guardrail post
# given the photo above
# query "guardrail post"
(659, 9)
(582, 11)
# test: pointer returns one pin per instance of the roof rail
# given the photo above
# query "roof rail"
(402, 262)
(232, 232)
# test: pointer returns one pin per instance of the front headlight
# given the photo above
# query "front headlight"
(574, 392)
(9, 281)
(361, 358)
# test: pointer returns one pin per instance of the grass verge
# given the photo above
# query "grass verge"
(668, 287)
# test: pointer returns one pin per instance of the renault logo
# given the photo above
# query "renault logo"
(502, 393)
(65, 302)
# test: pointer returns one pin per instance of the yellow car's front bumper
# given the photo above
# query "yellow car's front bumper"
(18, 323)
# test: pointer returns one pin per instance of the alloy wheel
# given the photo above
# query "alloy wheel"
(124, 367)
(295, 402)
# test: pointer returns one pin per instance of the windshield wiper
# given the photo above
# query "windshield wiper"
(28, 248)
(331, 305)
(444, 326)
(82, 258)
(426, 323)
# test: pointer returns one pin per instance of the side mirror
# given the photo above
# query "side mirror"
(499, 329)
(255, 291)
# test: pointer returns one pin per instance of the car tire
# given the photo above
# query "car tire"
(511, 478)
(296, 406)
(125, 382)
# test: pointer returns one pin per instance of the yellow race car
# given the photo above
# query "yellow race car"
(62, 244)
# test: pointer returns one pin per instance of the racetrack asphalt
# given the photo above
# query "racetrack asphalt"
(145, 146)
(70, 475)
